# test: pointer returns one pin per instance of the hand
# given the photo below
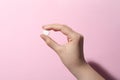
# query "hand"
(70, 53)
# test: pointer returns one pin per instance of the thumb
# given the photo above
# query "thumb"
(51, 43)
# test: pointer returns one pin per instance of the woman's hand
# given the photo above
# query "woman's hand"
(70, 53)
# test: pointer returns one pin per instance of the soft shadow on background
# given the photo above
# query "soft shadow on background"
(101, 71)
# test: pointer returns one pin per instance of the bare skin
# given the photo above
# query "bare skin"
(71, 53)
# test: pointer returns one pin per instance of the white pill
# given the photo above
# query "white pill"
(46, 32)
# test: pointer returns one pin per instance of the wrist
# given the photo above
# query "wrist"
(85, 72)
(76, 69)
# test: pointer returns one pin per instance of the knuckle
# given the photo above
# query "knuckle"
(65, 26)
(79, 36)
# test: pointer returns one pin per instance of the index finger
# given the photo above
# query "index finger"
(59, 27)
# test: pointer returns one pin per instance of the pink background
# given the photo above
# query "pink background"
(25, 56)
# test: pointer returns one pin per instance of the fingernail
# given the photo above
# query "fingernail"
(41, 35)
(44, 27)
